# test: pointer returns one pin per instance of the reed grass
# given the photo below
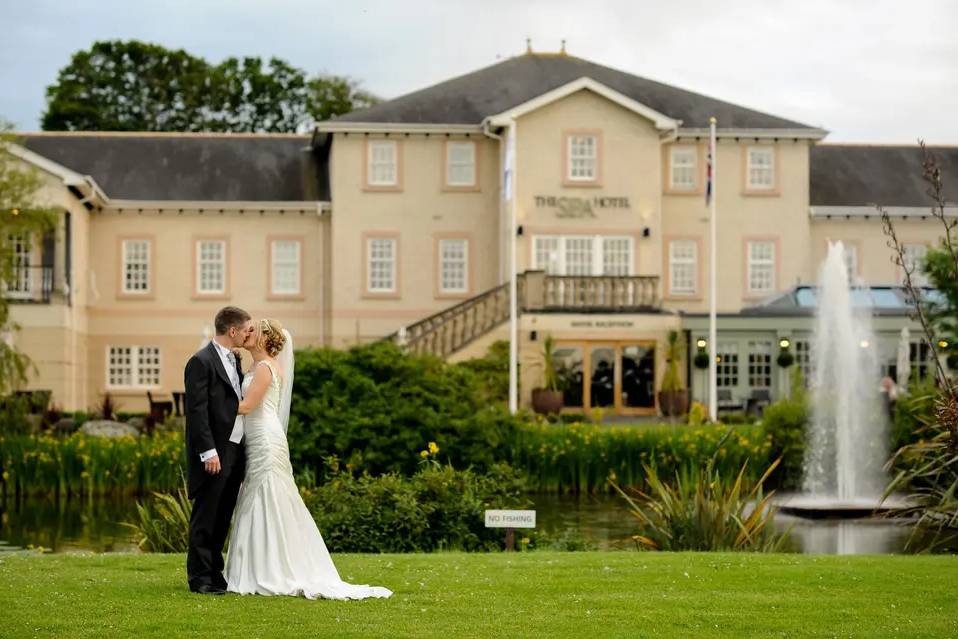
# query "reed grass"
(162, 524)
(90, 466)
(581, 457)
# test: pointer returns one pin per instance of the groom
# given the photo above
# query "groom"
(214, 454)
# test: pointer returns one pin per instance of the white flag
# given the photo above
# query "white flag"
(508, 165)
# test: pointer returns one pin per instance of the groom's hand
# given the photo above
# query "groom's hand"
(212, 465)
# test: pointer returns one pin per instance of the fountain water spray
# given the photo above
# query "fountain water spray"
(846, 440)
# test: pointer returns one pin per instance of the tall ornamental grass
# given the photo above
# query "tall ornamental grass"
(581, 457)
(703, 509)
(90, 466)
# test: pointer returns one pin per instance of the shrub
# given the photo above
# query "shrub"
(162, 524)
(372, 406)
(86, 465)
(914, 412)
(704, 510)
(580, 457)
(437, 508)
(785, 422)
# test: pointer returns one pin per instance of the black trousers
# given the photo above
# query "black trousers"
(210, 522)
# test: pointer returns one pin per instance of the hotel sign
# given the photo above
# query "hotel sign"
(578, 207)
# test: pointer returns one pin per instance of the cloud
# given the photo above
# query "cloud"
(880, 71)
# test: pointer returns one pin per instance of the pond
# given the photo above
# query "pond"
(601, 520)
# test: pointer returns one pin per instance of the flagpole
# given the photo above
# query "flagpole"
(713, 341)
(513, 293)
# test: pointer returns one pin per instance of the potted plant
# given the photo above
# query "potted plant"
(673, 396)
(548, 399)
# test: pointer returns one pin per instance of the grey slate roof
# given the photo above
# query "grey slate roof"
(857, 175)
(469, 98)
(200, 167)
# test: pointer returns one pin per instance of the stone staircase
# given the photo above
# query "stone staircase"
(454, 328)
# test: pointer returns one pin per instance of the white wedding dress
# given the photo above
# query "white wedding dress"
(275, 547)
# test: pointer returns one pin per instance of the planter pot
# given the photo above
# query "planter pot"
(674, 403)
(546, 401)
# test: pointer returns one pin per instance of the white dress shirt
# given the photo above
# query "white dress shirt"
(228, 359)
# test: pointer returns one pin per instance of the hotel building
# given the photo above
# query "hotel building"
(392, 222)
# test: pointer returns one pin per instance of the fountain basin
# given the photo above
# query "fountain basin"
(821, 507)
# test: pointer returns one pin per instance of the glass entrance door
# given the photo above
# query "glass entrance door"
(617, 376)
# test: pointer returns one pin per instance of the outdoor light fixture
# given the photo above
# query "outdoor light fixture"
(784, 343)
(785, 357)
(942, 343)
(701, 359)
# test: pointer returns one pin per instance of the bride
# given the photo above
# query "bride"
(275, 547)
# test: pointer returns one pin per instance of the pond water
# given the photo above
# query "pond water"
(603, 521)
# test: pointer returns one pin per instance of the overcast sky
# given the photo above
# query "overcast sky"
(868, 71)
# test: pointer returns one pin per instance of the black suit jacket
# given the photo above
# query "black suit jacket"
(211, 406)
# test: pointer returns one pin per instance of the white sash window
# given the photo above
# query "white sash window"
(381, 268)
(133, 367)
(683, 267)
(584, 255)
(760, 168)
(583, 158)
(453, 266)
(211, 267)
(285, 267)
(383, 163)
(461, 164)
(761, 266)
(682, 169)
(136, 266)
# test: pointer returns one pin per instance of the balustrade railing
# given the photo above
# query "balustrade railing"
(451, 329)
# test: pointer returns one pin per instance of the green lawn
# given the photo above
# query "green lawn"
(584, 595)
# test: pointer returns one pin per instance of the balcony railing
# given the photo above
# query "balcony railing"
(603, 293)
(29, 285)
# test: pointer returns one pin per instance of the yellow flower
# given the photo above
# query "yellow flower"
(6, 475)
(525, 541)
(433, 448)
(424, 454)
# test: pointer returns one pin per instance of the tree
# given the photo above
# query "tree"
(332, 95)
(136, 86)
(129, 86)
(248, 96)
(20, 214)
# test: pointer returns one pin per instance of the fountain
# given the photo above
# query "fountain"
(846, 440)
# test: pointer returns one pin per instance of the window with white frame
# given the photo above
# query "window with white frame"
(803, 358)
(682, 168)
(211, 267)
(683, 267)
(381, 267)
(136, 266)
(760, 364)
(914, 262)
(760, 168)
(727, 365)
(583, 158)
(616, 255)
(20, 283)
(453, 265)
(761, 266)
(578, 255)
(851, 263)
(285, 256)
(584, 255)
(133, 367)
(383, 163)
(461, 164)
(547, 255)
(922, 361)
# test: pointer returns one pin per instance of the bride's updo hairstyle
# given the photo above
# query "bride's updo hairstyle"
(272, 338)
